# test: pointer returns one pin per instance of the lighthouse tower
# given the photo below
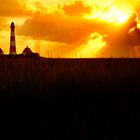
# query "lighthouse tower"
(12, 40)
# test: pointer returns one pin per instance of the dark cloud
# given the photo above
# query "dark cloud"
(135, 36)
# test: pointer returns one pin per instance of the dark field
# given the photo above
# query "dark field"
(71, 99)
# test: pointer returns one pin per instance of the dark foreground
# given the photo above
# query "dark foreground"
(54, 99)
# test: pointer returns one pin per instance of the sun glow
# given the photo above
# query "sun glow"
(91, 48)
(111, 15)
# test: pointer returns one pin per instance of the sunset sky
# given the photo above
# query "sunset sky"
(72, 28)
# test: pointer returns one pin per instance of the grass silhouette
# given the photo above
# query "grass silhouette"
(69, 98)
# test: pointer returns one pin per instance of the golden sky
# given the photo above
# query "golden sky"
(72, 28)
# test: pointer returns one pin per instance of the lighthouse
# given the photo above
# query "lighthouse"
(12, 40)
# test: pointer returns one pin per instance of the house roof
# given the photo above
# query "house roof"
(1, 51)
(27, 51)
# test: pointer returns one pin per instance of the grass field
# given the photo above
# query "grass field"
(69, 98)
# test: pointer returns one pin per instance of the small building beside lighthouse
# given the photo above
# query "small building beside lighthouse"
(27, 51)
(12, 50)
(1, 52)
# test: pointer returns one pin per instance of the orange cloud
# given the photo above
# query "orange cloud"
(11, 8)
(123, 39)
(76, 9)
(58, 28)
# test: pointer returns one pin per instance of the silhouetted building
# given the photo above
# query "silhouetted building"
(12, 40)
(27, 51)
(1, 51)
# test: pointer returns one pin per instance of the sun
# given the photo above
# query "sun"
(117, 16)
(111, 14)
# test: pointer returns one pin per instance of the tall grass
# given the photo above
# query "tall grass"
(69, 98)
(38, 74)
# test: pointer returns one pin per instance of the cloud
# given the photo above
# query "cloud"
(66, 27)
(58, 28)
(11, 8)
(76, 9)
(124, 38)
(91, 47)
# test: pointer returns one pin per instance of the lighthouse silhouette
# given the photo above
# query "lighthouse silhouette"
(12, 40)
